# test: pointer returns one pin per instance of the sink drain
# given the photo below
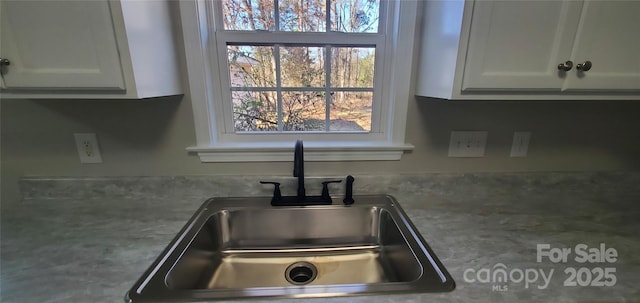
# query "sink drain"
(301, 273)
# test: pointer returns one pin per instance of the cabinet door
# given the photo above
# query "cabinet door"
(608, 37)
(59, 45)
(518, 44)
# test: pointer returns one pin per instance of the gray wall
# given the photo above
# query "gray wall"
(148, 138)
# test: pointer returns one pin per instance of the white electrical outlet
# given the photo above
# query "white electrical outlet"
(520, 145)
(88, 149)
(467, 143)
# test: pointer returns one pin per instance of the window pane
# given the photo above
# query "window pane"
(248, 15)
(251, 66)
(352, 66)
(351, 111)
(255, 111)
(303, 111)
(355, 16)
(302, 15)
(302, 66)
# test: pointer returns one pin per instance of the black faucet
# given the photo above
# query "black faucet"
(301, 198)
(298, 168)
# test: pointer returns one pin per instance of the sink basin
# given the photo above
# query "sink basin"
(244, 247)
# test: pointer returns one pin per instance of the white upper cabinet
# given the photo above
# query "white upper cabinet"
(88, 49)
(525, 49)
(608, 37)
(518, 44)
(47, 50)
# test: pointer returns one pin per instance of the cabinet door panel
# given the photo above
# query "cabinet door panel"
(609, 37)
(59, 45)
(517, 45)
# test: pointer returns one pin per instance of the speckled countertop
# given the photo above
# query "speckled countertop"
(88, 240)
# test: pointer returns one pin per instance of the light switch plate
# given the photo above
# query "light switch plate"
(520, 145)
(467, 143)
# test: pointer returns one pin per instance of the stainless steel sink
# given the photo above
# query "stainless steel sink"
(244, 247)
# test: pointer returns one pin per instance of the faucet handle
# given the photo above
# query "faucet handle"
(277, 196)
(325, 189)
(348, 196)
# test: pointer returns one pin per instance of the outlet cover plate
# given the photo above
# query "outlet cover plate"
(468, 143)
(88, 149)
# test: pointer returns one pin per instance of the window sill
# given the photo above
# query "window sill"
(324, 151)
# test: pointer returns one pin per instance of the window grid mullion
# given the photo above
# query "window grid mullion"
(276, 15)
(297, 38)
(276, 55)
(327, 70)
(327, 87)
(295, 89)
(327, 27)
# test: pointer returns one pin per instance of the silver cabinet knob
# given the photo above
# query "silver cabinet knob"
(4, 62)
(585, 67)
(566, 66)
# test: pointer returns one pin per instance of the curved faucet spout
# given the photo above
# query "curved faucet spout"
(301, 199)
(298, 168)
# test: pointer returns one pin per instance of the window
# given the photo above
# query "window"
(311, 69)
(264, 73)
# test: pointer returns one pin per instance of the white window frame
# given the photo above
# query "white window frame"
(386, 141)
